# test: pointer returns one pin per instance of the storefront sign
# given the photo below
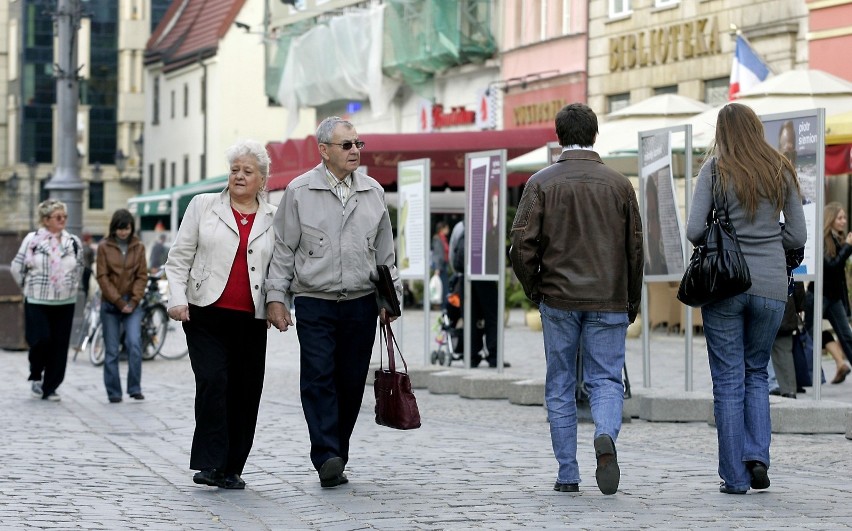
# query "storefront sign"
(537, 113)
(431, 116)
(667, 44)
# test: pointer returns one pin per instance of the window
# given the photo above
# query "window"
(185, 169)
(566, 17)
(172, 108)
(665, 3)
(617, 102)
(668, 89)
(43, 193)
(150, 177)
(716, 91)
(203, 97)
(162, 174)
(173, 168)
(185, 100)
(96, 195)
(619, 8)
(202, 167)
(155, 119)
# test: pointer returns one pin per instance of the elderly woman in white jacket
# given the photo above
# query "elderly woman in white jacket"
(216, 270)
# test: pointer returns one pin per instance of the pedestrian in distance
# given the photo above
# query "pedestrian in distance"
(216, 268)
(48, 267)
(758, 184)
(577, 250)
(782, 345)
(440, 258)
(159, 253)
(332, 229)
(122, 275)
(837, 248)
(88, 250)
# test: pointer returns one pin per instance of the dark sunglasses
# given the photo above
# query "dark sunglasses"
(348, 145)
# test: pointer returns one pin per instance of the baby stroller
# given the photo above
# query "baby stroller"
(450, 337)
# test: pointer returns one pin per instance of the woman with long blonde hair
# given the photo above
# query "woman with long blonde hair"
(758, 184)
(835, 295)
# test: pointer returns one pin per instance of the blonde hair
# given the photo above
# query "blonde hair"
(747, 161)
(832, 210)
(48, 207)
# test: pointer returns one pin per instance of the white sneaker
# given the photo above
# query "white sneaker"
(36, 389)
(53, 397)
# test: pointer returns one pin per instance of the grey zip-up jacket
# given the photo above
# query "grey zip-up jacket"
(326, 250)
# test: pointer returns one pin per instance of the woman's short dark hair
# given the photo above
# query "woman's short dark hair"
(122, 219)
(576, 125)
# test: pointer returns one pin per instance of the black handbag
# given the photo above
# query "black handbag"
(717, 269)
(396, 406)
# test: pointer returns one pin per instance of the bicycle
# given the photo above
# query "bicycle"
(155, 336)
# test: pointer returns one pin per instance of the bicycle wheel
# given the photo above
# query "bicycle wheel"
(174, 347)
(97, 349)
(155, 328)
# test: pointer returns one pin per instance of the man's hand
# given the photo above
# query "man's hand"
(179, 313)
(278, 315)
(385, 318)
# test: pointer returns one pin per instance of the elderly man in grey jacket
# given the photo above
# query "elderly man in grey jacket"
(332, 229)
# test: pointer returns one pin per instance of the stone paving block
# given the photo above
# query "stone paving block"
(526, 392)
(809, 416)
(633, 404)
(486, 385)
(445, 382)
(671, 406)
(419, 375)
(849, 424)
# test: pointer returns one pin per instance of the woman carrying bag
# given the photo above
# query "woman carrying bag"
(757, 183)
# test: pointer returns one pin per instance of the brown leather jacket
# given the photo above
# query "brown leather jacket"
(577, 237)
(119, 275)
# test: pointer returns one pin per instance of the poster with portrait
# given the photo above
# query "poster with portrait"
(413, 219)
(800, 137)
(485, 233)
(661, 218)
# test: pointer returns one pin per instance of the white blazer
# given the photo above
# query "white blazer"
(201, 256)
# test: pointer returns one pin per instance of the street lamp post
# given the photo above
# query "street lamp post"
(32, 166)
(120, 163)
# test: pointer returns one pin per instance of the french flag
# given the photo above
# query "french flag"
(748, 70)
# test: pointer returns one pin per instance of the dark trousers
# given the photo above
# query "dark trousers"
(483, 306)
(336, 341)
(227, 349)
(48, 333)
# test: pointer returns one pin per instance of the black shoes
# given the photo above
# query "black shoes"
(114, 399)
(725, 489)
(566, 487)
(331, 473)
(211, 478)
(759, 476)
(137, 396)
(232, 481)
(607, 473)
(788, 395)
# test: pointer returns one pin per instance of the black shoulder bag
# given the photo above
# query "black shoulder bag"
(717, 269)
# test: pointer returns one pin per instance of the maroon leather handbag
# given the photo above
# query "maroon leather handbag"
(396, 406)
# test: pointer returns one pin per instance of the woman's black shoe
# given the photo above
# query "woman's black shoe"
(566, 487)
(211, 477)
(725, 489)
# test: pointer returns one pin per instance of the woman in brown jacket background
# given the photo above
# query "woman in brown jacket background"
(122, 273)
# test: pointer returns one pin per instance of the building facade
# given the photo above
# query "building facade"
(110, 41)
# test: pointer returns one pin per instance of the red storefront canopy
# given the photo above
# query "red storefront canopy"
(383, 152)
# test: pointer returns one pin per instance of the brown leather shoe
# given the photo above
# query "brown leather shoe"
(841, 374)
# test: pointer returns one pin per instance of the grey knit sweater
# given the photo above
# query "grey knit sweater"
(762, 240)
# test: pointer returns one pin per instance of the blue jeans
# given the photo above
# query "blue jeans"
(601, 338)
(835, 313)
(112, 321)
(740, 331)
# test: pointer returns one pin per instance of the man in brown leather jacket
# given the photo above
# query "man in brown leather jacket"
(577, 251)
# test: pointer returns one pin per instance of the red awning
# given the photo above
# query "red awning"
(384, 151)
(838, 159)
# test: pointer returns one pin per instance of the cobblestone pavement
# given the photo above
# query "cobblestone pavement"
(84, 463)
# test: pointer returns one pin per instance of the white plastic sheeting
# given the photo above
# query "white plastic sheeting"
(338, 61)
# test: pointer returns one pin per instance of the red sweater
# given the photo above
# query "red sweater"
(237, 293)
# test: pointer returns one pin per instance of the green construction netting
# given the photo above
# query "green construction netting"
(424, 37)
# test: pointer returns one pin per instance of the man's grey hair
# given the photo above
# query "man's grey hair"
(325, 131)
(256, 150)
